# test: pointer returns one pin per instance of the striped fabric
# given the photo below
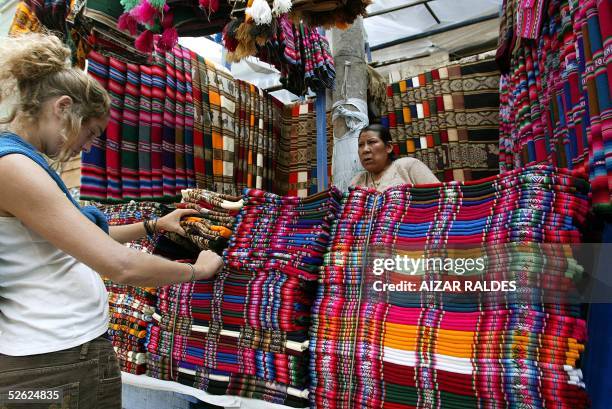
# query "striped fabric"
(116, 89)
(93, 163)
(130, 182)
(412, 350)
(182, 123)
(246, 332)
(179, 142)
(296, 170)
(169, 129)
(448, 118)
(555, 97)
(130, 308)
(158, 96)
(189, 119)
(144, 133)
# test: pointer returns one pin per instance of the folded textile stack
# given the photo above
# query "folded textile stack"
(212, 228)
(336, 306)
(131, 308)
(449, 119)
(246, 332)
(399, 349)
(556, 105)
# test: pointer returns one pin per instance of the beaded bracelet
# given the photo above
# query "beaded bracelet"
(192, 272)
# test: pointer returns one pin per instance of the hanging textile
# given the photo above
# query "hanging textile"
(300, 53)
(555, 90)
(449, 119)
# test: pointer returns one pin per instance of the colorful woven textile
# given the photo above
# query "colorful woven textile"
(246, 332)
(448, 118)
(301, 53)
(212, 228)
(297, 150)
(93, 163)
(131, 308)
(24, 20)
(411, 350)
(555, 96)
(143, 154)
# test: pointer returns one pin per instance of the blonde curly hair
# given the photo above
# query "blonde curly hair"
(37, 67)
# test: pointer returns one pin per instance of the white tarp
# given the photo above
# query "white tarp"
(417, 19)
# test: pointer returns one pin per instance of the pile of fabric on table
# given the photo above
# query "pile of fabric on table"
(449, 119)
(556, 104)
(131, 308)
(246, 331)
(403, 349)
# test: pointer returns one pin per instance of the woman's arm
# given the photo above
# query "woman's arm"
(29, 194)
(128, 232)
(170, 223)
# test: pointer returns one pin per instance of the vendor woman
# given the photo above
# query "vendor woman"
(382, 169)
(53, 303)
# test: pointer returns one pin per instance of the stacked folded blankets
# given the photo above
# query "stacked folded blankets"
(403, 349)
(246, 332)
(131, 308)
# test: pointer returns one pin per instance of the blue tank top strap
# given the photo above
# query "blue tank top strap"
(11, 143)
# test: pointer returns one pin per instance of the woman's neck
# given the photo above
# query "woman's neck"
(378, 175)
(26, 132)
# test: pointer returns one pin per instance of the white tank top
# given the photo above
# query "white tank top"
(49, 301)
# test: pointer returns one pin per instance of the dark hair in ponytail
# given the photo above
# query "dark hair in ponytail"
(383, 134)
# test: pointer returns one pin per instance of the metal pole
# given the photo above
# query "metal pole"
(321, 116)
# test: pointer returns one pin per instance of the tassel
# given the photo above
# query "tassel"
(260, 11)
(167, 20)
(129, 4)
(229, 41)
(127, 23)
(211, 6)
(243, 33)
(158, 4)
(144, 42)
(281, 7)
(168, 39)
(144, 13)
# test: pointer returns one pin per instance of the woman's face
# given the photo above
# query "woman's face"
(373, 152)
(50, 130)
(90, 129)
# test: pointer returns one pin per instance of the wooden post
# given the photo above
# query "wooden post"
(348, 47)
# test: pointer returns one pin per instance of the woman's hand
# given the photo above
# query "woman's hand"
(171, 221)
(207, 265)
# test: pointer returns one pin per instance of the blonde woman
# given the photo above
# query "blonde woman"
(53, 303)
